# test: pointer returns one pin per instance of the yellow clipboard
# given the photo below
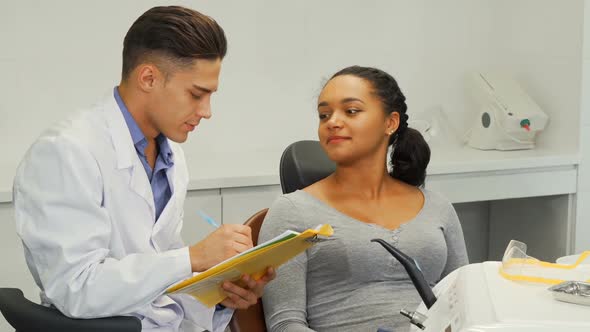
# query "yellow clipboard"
(206, 286)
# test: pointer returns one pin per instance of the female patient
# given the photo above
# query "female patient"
(349, 283)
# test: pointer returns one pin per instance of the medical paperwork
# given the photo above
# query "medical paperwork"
(206, 286)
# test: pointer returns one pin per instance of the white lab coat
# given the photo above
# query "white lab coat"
(85, 212)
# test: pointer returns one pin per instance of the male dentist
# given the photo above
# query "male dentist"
(99, 198)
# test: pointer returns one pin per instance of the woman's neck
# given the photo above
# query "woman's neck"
(367, 179)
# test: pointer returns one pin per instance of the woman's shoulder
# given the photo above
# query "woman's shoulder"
(436, 200)
(288, 211)
(441, 206)
(293, 200)
(290, 206)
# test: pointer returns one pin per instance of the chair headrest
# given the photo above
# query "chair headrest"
(302, 164)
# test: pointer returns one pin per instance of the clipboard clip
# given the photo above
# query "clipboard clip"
(316, 239)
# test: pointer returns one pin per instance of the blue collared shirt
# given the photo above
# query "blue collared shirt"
(164, 161)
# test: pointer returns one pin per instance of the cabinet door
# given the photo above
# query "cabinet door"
(543, 223)
(241, 203)
(475, 222)
(194, 228)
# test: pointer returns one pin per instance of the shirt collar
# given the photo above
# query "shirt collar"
(165, 150)
(137, 136)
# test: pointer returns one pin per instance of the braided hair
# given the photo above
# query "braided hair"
(410, 152)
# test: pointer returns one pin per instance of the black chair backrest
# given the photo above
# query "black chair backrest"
(26, 316)
(302, 164)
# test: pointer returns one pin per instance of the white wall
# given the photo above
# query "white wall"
(541, 42)
(583, 206)
(62, 55)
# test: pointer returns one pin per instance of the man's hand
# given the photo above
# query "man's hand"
(243, 297)
(225, 242)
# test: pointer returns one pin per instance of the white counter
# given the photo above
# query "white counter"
(487, 174)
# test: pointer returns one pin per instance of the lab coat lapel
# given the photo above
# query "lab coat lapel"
(166, 228)
(141, 185)
(127, 159)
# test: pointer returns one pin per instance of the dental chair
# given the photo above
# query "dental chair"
(302, 164)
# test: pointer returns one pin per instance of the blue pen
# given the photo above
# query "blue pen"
(208, 219)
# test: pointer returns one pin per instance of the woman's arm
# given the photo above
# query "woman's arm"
(456, 250)
(284, 299)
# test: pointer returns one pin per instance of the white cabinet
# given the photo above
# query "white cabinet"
(475, 221)
(194, 228)
(241, 203)
(225, 205)
(474, 186)
(545, 224)
(533, 204)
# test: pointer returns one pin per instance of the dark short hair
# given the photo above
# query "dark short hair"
(175, 34)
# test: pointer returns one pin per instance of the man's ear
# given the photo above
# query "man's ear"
(392, 123)
(148, 76)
